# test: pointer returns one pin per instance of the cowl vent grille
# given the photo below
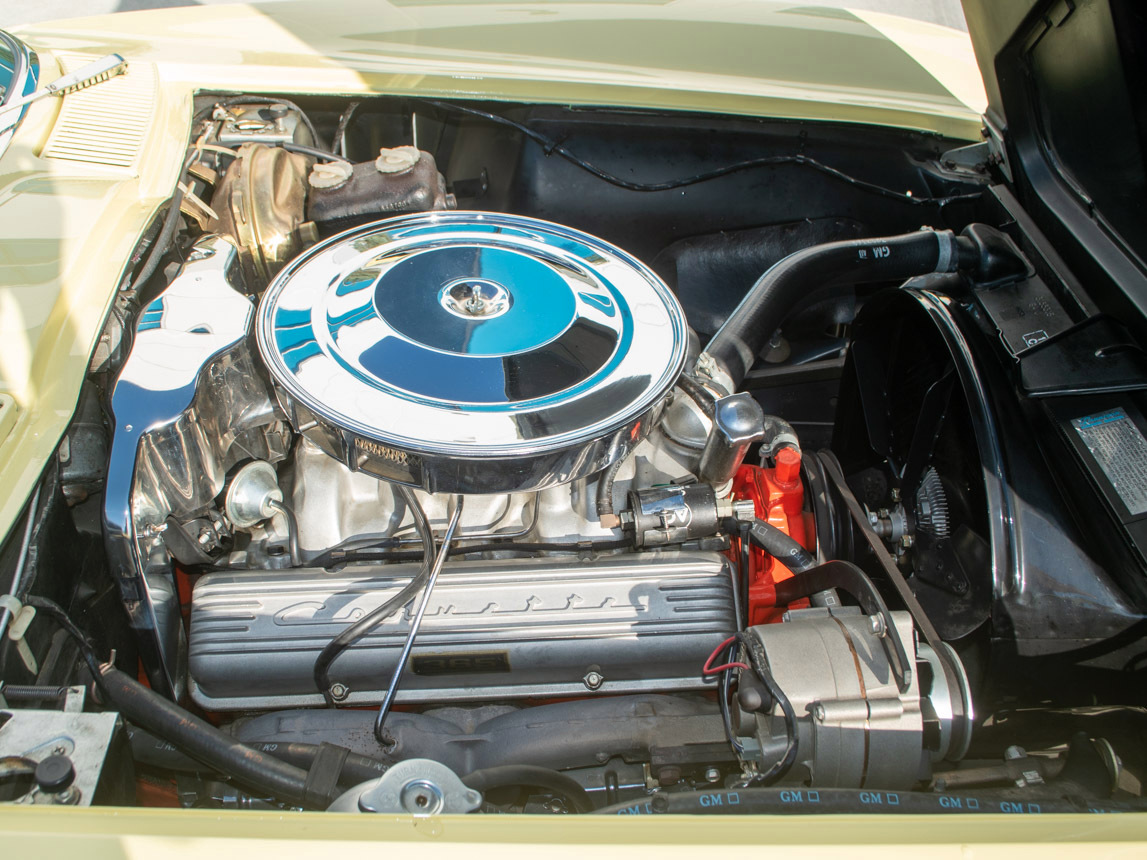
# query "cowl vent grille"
(106, 123)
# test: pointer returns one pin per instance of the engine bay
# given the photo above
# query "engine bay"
(442, 457)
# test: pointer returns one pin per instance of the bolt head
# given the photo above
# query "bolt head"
(70, 796)
(744, 509)
(593, 680)
(713, 775)
(788, 469)
(339, 692)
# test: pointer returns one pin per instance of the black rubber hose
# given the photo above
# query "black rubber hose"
(57, 613)
(356, 770)
(339, 140)
(894, 258)
(605, 489)
(320, 154)
(339, 557)
(368, 622)
(321, 671)
(846, 801)
(744, 566)
(779, 433)
(780, 546)
(166, 236)
(203, 742)
(700, 395)
(162, 242)
(524, 774)
(440, 556)
(149, 750)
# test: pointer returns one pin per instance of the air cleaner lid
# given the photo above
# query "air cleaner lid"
(472, 334)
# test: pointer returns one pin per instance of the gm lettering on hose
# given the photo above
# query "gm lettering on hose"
(708, 800)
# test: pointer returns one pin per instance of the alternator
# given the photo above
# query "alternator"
(854, 726)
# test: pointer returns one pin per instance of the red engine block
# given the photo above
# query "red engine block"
(778, 497)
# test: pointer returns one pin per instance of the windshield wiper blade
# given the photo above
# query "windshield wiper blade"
(93, 73)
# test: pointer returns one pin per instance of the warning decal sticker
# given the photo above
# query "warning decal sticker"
(1121, 451)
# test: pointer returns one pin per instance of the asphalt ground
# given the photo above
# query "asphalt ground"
(15, 12)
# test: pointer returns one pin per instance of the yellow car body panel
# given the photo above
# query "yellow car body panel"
(69, 228)
(141, 834)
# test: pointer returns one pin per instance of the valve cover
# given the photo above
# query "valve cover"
(470, 352)
(512, 628)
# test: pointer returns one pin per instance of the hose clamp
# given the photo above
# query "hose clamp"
(949, 258)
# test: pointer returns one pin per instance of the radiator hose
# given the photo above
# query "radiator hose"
(1085, 784)
(799, 800)
(149, 750)
(207, 744)
(737, 343)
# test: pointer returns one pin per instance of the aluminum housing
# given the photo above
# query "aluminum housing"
(511, 628)
(470, 352)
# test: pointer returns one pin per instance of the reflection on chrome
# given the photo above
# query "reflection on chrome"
(188, 404)
(471, 352)
(19, 75)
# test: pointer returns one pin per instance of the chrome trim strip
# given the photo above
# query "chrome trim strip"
(165, 455)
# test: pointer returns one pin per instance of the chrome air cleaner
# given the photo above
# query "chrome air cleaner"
(468, 352)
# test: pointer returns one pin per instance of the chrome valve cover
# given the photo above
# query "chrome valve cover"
(469, 352)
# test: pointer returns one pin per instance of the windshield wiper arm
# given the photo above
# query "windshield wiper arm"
(85, 76)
